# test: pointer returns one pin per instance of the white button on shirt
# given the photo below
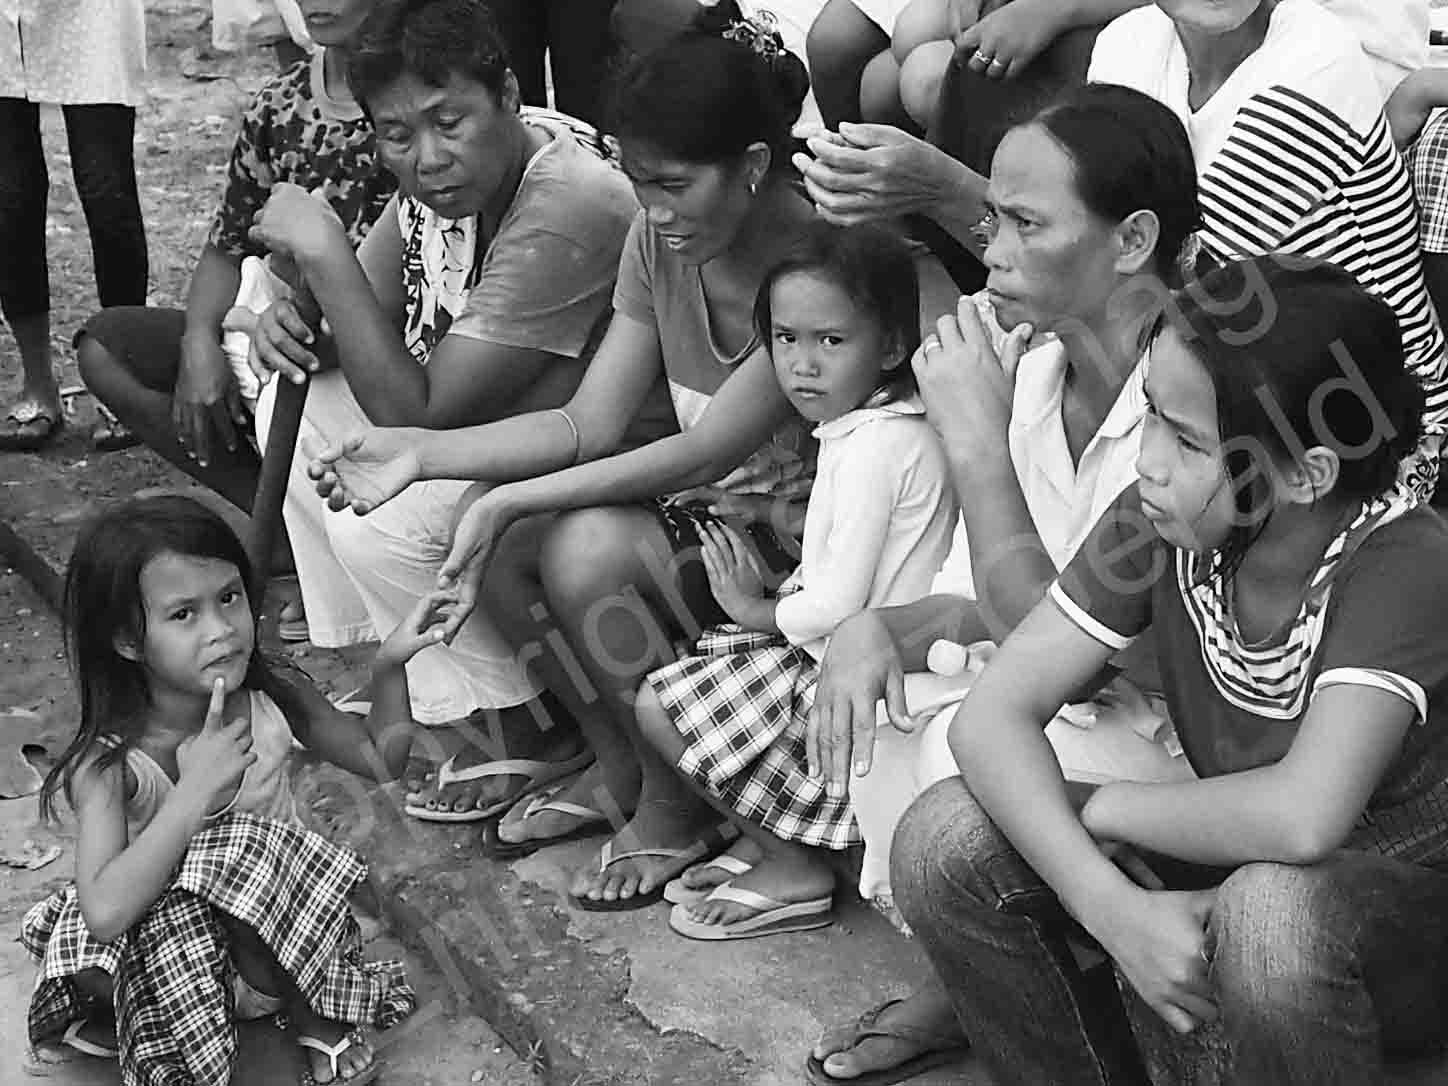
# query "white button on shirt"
(73, 52)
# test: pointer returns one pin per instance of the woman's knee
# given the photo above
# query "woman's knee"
(922, 76)
(589, 554)
(605, 572)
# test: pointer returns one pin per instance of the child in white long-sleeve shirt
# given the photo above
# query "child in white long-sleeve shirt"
(841, 321)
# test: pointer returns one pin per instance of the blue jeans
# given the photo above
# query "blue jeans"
(1322, 974)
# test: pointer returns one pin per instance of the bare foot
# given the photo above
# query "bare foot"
(661, 826)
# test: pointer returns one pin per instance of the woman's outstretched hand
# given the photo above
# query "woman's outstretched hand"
(481, 519)
(366, 469)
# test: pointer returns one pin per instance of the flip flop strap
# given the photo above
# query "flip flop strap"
(562, 806)
(727, 891)
(332, 1052)
(868, 1026)
(732, 864)
(508, 767)
(607, 857)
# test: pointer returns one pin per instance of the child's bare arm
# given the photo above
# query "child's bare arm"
(377, 746)
(118, 880)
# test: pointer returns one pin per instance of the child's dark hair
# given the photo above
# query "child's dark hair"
(705, 97)
(431, 39)
(876, 269)
(103, 603)
(1131, 153)
(1299, 356)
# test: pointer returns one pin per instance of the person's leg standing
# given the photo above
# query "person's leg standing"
(842, 42)
(24, 276)
(579, 55)
(524, 27)
(997, 937)
(103, 162)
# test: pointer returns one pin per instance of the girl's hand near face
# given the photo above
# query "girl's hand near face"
(967, 387)
(213, 761)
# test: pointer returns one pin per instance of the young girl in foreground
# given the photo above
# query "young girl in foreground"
(841, 317)
(182, 723)
(1296, 927)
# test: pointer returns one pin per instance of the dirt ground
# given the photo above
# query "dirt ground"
(183, 136)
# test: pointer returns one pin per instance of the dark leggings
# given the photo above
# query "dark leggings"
(103, 165)
(575, 36)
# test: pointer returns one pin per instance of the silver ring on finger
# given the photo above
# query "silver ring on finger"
(931, 343)
(983, 58)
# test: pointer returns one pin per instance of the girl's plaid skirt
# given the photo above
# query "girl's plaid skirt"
(742, 705)
(172, 970)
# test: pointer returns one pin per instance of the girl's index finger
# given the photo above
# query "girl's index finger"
(216, 704)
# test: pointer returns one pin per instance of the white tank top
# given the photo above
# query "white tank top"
(266, 788)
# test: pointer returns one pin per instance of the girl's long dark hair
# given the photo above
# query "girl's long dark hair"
(103, 604)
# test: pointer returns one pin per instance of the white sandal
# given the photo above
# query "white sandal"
(538, 774)
(333, 1052)
(73, 1039)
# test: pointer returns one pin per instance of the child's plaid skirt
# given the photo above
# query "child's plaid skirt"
(173, 973)
(742, 705)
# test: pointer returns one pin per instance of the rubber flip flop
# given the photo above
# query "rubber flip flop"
(537, 773)
(772, 918)
(679, 858)
(332, 1052)
(948, 1050)
(676, 893)
(495, 848)
(72, 1039)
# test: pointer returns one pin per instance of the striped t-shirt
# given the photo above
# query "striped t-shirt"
(1294, 155)
(1372, 617)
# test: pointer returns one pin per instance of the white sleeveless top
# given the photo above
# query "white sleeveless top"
(266, 788)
